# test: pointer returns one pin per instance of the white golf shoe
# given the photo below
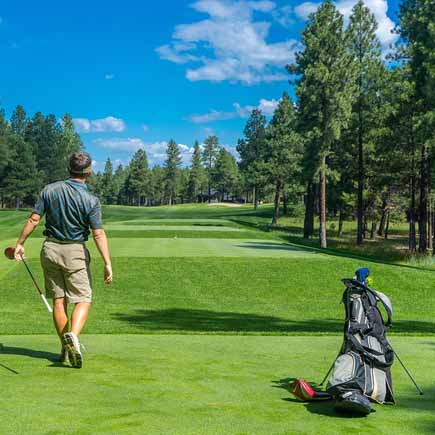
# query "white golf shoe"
(72, 345)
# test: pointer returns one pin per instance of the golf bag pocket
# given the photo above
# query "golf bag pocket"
(348, 374)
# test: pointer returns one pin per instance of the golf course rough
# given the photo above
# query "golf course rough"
(201, 332)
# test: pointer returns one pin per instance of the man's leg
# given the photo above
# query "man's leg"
(79, 317)
(60, 316)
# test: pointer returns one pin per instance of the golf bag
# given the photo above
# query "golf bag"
(362, 371)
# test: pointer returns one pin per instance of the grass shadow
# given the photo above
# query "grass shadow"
(22, 351)
(288, 235)
(275, 246)
(195, 320)
(9, 369)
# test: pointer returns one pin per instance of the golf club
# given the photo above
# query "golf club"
(10, 254)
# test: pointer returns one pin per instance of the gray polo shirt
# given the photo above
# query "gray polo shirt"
(70, 211)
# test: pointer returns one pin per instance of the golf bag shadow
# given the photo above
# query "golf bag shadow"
(362, 370)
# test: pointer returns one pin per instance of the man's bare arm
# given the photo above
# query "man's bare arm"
(28, 229)
(103, 248)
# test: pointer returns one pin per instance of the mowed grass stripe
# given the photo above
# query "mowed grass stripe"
(123, 227)
(223, 296)
(196, 385)
(189, 247)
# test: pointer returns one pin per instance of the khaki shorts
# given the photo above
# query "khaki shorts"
(66, 271)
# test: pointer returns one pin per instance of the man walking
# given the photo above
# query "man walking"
(71, 213)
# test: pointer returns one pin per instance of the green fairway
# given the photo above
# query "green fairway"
(191, 282)
(195, 385)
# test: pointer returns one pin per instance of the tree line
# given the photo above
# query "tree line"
(359, 139)
(356, 142)
(34, 151)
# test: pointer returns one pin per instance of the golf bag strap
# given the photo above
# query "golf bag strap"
(361, 328)
(368, 356)
(387, 305)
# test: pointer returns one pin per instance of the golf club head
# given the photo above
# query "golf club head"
(10, 253)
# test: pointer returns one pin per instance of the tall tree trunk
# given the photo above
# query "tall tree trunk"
(309, 211)
(383, 220)
(412, 244)
(424, 182)
(387, 226)
(284, 201)
(365, 228)
(277, 201)
(433, 236)
(255, 193)
(209, 192)
(429, 222)
(360, 200)
(373, 231)
(322, 204)
(340, 222)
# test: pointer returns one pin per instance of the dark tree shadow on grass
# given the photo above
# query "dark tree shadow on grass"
(278, 245)
(191, 320)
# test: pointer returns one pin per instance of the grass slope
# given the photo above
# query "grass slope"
(192, 273)
(232, 295)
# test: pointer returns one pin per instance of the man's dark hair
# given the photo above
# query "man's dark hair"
(80, 164)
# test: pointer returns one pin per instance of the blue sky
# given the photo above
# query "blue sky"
(137, 73)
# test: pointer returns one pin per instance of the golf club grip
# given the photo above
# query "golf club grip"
(44, 299)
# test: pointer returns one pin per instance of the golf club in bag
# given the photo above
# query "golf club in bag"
(10, 254)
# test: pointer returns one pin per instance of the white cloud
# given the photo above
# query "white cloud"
(266, 106)
(305, 9)
(109, 76)
(230, 44)
(110, 123)
(284, 16)
(156, 151)
(120, 144)
(378, 7)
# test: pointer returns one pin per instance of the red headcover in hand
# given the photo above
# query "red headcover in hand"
(10, 253)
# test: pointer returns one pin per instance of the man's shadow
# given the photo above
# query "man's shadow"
(51, 357)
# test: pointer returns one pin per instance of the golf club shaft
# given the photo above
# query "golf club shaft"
(408, 373)
(327, 374)
(44, 299)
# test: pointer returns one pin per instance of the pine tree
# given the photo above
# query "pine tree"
(369, 69)
(44, 134)
(283, 149)
(71, 141)
(172, 171)
(325, 92)
(119, 180)
(226, 174)
(108, 185)
(22, 180)
(137, 180)
(196, 176)
(251, 150)
(19, 121)
(158, 185)
(209, 156)
(417, 27)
